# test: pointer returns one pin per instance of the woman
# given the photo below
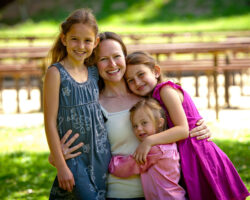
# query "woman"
(116, 101)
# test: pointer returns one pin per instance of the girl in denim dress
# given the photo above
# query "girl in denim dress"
(71, 97)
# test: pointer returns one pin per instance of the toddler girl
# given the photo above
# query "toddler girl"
(161, 172)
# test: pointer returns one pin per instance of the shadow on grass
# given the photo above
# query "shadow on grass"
(25, 175)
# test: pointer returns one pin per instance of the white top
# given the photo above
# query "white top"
(123, 142)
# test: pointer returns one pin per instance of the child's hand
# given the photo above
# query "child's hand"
(201, 131)
(65, 179)
(140, 155)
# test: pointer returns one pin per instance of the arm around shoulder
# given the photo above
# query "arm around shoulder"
(123, 166)
(126, 166)
(172, 100)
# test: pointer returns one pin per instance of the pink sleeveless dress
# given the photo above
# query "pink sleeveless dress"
(207, 171)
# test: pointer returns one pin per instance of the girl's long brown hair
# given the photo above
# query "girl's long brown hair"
(140, 57)
(84, 16)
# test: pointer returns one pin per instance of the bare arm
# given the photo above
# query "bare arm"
(123, 166)
(51, 104)
(172, 100)
(126, 166)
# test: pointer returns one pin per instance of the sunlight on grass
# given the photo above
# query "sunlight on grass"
(123, 24)
(26, 174)
(30, 139)
(239, 134)
(223, 24)
(30, 28)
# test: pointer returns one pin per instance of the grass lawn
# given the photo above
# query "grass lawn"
(51, 28)
(26, 174)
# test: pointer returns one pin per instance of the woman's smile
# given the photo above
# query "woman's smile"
(111, 61)
(113, 72)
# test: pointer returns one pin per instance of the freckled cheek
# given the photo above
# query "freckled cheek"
(99, 65)
(131, 87)
(121, 62)
(90, 46)
(73, 43)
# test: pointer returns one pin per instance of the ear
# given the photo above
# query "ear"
(161, 122)
(157, 71)
(63, 39)
(97, 40)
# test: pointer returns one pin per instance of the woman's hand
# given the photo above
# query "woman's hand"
(140, 154)
(201, 131)
(65, 147)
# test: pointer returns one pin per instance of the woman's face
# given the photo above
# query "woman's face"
(111, 61)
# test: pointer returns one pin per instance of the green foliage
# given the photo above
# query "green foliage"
(142, 16)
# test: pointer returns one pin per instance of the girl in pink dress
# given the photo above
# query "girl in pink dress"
(207, 171)
(160, 174)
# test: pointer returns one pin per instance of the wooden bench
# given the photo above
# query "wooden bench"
(137, 38)
(213, 66)
(171, 37)
(28, 40)
(196, 67)
(22, 63)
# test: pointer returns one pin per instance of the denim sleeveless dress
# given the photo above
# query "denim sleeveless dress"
(79, 110)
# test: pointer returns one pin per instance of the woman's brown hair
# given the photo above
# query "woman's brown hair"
(106, 36)
(84, 16)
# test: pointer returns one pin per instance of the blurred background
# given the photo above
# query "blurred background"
(204, 45)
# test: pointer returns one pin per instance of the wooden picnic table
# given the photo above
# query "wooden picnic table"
(23, 63)
(199, 47)
(28, 49)
(136, 38)
(171, 37)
